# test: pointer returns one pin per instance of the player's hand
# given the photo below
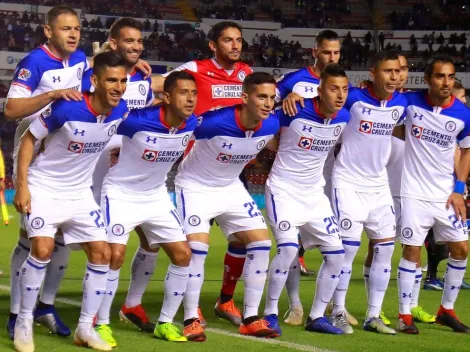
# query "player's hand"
(458, 202)
(67, 94)
(273, 144)
(22, 200)
(98, 50)
(114, 157)
(144, 67)
(2, 185)
(289, 104)
(364, 84)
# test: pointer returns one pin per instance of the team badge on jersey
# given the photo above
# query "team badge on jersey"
(346, 224)
(241, 76)
(416, 131)
(112, 130)
(365, 126)
(395, 114)
(337, 131)
(305, 142)
(185, 140)
(117, 230)
(284, 225)
(261, 144)
(24, 74)
(79, 73)
(37, 223)
(75, 147)
(224, 158)
(407, 232)
(149, 155)
(194, 220)
(142, 89)
(451, 126)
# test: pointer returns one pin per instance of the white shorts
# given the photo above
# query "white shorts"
(397, 209)
(81, 220)
(291, 213)
(372, 212)
(102, 166)
(155, 214)
(231, 206)
(418, 216)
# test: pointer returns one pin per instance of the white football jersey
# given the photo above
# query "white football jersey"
(304, 82)
(223, 147)
(395, 166)
(149, 150)
(431, 136)
(74, 136)
(361, 163)
(305, 142)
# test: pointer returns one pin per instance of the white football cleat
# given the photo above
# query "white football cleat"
(86, 336)
(23, 340)
(295, 316)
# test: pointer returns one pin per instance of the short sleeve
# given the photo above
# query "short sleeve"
(150, 96)
(284, 120)
(26, 78)
(463, 137)
(86, 81)
(207, 126)
(188, 66)
(283, 88)
(50, 120)
(130, 125)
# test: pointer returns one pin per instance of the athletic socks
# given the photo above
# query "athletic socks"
(454, 276)
(406, 278)
(195, 279)
(233, 268)
(416, 288)
(31, 278)
(175, 287)
(18, 258)
(366, 272)
(293, 283)
(112, 284)
(94, 290)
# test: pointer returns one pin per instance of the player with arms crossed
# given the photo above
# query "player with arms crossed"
(430, 196)
(361, 194)
(208, 186)
(296, 200)
(59, 181)
(219, 83)
(135, 194)
(51, 72)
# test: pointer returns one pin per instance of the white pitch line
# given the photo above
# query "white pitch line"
(290, 345)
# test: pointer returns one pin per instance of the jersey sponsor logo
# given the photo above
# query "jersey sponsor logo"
(142, 89)
(220, 91)
(376, 128)
(309, 89)
(305, 142)
(162, 156)
(307, 128)
(261, 144)
(346, 224)
(112, 130)
(284, 225)
(209, 73)
(75, 147)
(185, 140)
(407, 232)
(337, 131)
(224, 158)
(136, 103)
(416, 131)
(451, 126)
(79, 73)
(37, 223)
(395, 114)
(241, 76)
(235, 159)
(194, 220)
(418, 116)
(431, 136)
(316, 145)
(117, 230)
(24, 74)
(365, 126)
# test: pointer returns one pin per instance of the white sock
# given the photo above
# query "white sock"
(31, 278)
(195, 279)
(416, 288)
(287, 252)
(112, 284)
(293, 283)
(405, 280)
(142, 268)
(379, 276)
(176, 282)
(94, 290)
(327, 279)
(454, 277)
(55, 271)
(366, 272)
(18, 257)
(255, 272)
(339, 297)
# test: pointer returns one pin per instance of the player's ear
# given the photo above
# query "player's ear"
(320, 90)
(47, 31)
(245, 98)
(166, 98)
(426, 80)
(212, 46)
(94, 80)
(314, 52)
(112, 44)
(372, 74)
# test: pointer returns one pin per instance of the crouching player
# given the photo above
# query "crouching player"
(135, 194)
(207, 187)
(296, 200)
(55, 193)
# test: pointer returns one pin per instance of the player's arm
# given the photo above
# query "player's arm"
(22, 198)
(159, 80)
(456, 199)
(399, 132)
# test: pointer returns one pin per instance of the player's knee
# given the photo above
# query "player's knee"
(42, 253)
(100, 254)
(411, 253)
(182, 256)
(117, 258)
(236, 244)
(459, 250)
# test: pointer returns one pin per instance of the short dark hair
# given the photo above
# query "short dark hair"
(175, 76)
(123, 23)
(257, 78)
(442, 58)
(327, 34)
(381, 56)
(56, 11)
(106, 59)
(332, 70)
(218, 28)
(458, 85)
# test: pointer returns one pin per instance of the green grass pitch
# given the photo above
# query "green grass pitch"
(222, 336)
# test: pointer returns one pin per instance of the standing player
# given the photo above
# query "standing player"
(435, 122)
(126, 41)
(361, 194)
(51, 72)
(135, 194)
(219, 83)
(59, 181)
(207, 187)
(296, 200)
